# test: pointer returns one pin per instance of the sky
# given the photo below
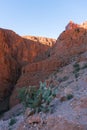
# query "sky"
(46, 18)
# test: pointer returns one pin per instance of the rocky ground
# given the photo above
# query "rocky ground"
(68, 108)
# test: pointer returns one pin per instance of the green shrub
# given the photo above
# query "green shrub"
(65, 78)
(76, 75)
(37, 99)
(76, 69)
(12, 121)
(69, 96)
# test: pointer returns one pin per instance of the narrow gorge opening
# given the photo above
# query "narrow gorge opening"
(4, 104)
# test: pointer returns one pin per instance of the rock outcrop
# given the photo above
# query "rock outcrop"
(42, 40)
(72, 25)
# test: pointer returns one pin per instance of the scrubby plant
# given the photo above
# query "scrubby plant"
(69, 96)
(37, 99)
(59, 79)
(76, 75)
(12, 121)
(65, 78)
(76, 69)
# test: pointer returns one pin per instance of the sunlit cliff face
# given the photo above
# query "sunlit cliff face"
(46, 41)
(72, 25)
(84, 25)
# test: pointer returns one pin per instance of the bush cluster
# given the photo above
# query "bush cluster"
(37, 99)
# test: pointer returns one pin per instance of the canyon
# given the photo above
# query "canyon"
(27, 60)
(69, 44)
(15, 53)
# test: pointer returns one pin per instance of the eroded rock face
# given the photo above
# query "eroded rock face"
(43, 40)
(72, 25)
(8, 69)
(16, 52)
(36, 58)
(69, 45)
(70, 113)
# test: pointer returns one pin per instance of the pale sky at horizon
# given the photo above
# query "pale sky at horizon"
(46, 18)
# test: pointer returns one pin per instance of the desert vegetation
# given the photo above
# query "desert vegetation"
(37, 99)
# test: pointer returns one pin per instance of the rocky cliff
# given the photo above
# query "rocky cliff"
(68, 110)
(28, 60)
(69, 45)
(16, 52)
(62, 63)
(72, 25)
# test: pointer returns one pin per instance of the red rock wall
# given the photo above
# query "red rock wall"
(16, 52)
